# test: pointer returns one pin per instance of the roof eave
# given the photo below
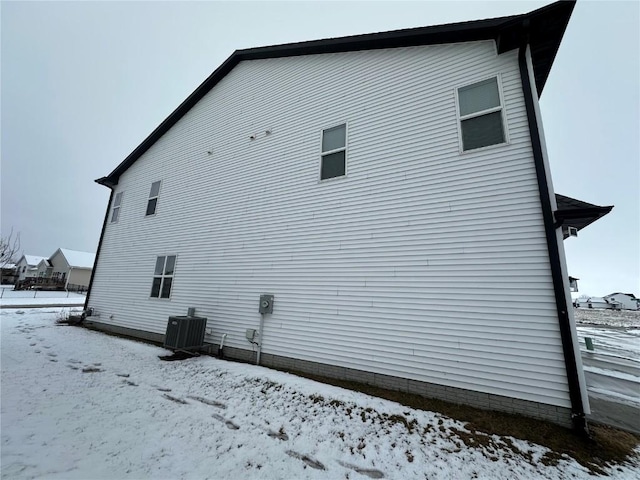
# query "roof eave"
(545, 26)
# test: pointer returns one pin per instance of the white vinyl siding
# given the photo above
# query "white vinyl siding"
(422, 263)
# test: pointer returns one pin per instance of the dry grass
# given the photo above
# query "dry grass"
(606, 446)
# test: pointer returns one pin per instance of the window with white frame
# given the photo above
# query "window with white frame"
(163, 276)
(480, 113)
(152, 204)
(333, 162)
(117, 202)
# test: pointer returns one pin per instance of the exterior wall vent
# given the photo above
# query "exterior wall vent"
(185, 333)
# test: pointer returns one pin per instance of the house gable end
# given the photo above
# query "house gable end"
(542, 28)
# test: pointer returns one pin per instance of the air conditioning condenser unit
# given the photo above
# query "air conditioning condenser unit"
(185, 333)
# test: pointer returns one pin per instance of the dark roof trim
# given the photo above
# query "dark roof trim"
(544, 26)
(576, 213)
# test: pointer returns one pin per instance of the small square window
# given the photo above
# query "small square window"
(334, 152)
(163, 276)
(480, 115)
(152, 204)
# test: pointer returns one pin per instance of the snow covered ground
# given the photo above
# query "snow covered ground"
(612, 368)
(614, 361)
(78, 404)
(610, 318)
(11, 298)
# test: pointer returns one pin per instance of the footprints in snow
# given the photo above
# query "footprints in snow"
(308, 460)
(230, 425)
(206, 401)
(51, 355)
(175, 399)
(279, 435)
(24, 329)
(369, 472)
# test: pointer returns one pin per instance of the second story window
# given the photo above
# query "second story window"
(334, 152)
(152, 204)
(480, 113)
(117, 202)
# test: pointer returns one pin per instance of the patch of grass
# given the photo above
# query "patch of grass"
(607, 446)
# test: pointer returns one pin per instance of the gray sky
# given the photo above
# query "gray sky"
(83, 84)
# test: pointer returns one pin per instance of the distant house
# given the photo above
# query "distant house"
(597, 302)
(27, 267)
(65, 270)
(71, 267)
(627, 301)
(364, 182)
(8, 274)
(43, 269)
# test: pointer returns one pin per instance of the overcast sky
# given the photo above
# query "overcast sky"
(83, 84)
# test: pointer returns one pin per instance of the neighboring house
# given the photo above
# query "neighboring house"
(72, 268)
(64, 270)
(627, 301)
(364, 182)
(44, 269)
(8, 273)
(597, 302)
(27, 267)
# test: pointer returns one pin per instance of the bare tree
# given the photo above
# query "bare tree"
(9, 248)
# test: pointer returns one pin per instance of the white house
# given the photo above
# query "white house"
(364, 182)
(27, 267)
(72, 267)
(8, 273)
(43, 270)
(627, 301)
(65, 269)
(597, 302)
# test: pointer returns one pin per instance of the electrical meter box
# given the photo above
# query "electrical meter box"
(266, 304)
(250, 333)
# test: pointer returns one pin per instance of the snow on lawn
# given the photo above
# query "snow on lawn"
(11, 298)
(78, 404)
(611, 318)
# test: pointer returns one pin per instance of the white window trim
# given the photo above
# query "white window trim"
(155, 212)
(163, 276)
(502, 108)
(117, 207)
(335, 150)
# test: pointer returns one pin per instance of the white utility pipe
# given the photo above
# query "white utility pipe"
(260, 338)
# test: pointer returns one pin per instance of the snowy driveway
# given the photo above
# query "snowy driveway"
(78, 404)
